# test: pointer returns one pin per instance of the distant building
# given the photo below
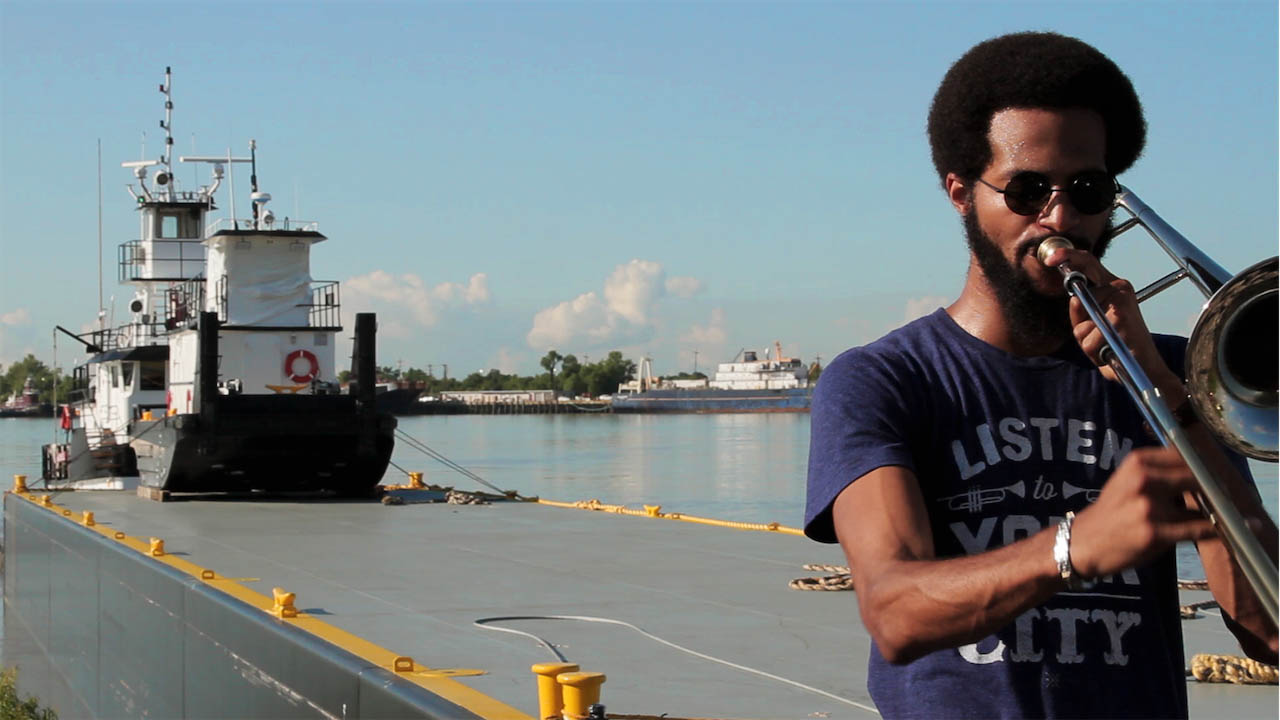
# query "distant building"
(499, 397)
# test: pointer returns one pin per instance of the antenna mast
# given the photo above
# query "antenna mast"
(167, 125)
(55, 375)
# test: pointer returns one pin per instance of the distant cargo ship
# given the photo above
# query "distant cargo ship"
(777, 384)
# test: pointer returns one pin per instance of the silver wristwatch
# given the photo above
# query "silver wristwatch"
(1062, 556)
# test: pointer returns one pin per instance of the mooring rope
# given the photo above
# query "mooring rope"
(839, 579)
(1206, 667)
(438, 457)
(1192, 610)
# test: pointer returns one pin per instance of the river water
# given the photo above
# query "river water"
(733, 467)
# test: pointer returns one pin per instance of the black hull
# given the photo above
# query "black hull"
(399, 401)
(273, 443)
(714, 401)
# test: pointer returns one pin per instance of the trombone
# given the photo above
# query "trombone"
(1231, 377)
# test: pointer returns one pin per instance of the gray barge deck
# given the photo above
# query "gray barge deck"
(414, 579)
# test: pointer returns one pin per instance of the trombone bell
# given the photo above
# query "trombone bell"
(1232, 362)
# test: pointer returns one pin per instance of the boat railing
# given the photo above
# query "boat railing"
(326, 308)
(227, 223)
(146, 329)
(160, 260)
(183, 304)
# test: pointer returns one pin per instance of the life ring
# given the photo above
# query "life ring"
(313, 366)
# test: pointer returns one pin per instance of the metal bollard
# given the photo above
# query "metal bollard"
(87, 518)
(581, 691)
(284, 607)
(550, 701)
(19, 483)
(415, 481)
(157, 547)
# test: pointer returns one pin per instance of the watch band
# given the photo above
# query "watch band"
(1062, 556)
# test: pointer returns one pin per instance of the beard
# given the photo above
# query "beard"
(1030, 314)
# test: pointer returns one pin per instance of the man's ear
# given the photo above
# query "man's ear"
(959, 192)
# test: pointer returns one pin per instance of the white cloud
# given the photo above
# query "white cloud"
(631, 289)
(405, 301)
(622, 314)
(712, 334)
(21, 316)
(921, 306)
(586, 316)
(508, 362)
(476, 291)
(685, 287)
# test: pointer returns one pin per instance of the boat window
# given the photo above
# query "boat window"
(151, 375)
(168, 226)
(115, 375)
(127, 370)
(178, 224)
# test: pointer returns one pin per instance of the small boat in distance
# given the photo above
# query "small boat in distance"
(26, 403)
(224, 378)
(746, 385)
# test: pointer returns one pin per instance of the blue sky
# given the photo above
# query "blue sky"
(658, 178)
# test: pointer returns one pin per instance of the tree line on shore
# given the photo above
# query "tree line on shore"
(14, 378)
(565, 374)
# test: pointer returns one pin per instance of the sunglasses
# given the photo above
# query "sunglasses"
(1028, 192)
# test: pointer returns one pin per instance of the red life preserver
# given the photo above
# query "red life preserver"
(313, 366)
(66, 417)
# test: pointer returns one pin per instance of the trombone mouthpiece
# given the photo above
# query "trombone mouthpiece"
(1048, 245)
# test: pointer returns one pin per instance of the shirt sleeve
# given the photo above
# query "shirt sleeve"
(860, 420)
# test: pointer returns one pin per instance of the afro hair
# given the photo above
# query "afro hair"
(1030, 70)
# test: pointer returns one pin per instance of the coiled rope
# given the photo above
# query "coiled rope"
(1206, 667)
(839, 579)
(1192, 610)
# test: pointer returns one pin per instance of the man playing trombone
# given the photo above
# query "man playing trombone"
(1008, 516)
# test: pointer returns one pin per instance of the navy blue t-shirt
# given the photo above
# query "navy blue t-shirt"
(1003, 446)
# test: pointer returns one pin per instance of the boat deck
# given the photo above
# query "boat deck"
(414, 579)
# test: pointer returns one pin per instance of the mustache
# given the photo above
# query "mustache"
(1030, 246)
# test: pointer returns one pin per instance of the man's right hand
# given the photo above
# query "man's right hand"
(1140, 513)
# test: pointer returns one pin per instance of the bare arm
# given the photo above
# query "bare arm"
(1248, 620)
(914, 603)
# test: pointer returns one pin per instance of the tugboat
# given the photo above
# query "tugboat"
(224, 379)
(26, 404)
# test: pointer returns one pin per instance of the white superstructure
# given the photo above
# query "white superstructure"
(777, 373)
(749, 373)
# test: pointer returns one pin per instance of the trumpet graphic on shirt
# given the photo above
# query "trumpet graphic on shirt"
(976, 498)
(1068, 490)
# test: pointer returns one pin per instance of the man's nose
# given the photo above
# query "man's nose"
(1058, 213)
